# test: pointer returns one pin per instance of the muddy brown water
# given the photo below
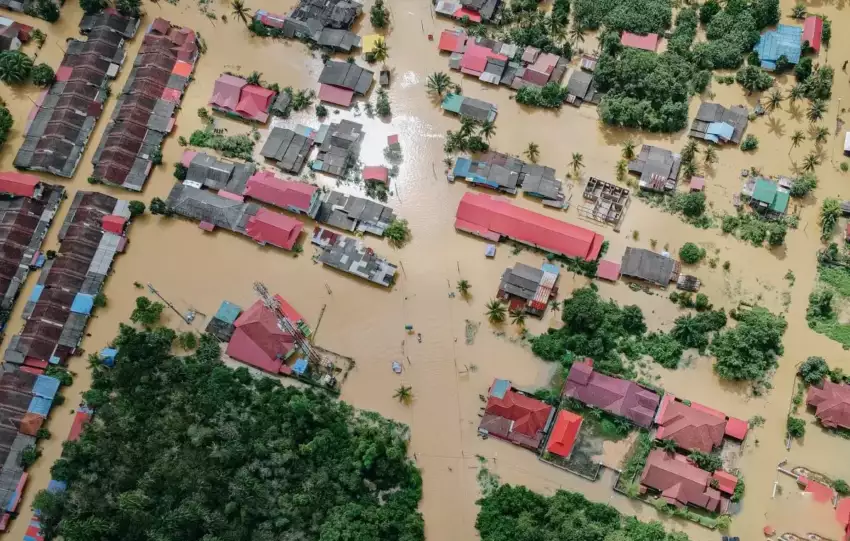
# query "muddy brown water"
(199, 270)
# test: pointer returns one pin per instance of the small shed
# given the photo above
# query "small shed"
(648, 42)
(697, 184)
(608, 270)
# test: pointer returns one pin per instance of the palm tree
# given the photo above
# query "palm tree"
(240, 11)
(797, 92)
(689, 151)
(463, 288)
(799, 11)
(404, 394)
(518, 317)
(15, 67)
(576, 163)
(621, 169)
(628, 152)
(532, 152)
(254, 78)
(821, 134)
(487, 129)
(689, 169)
(796, 138)
(810, 162)
(710, 156)
(816, 110)
(669, 446)
(438, 83)
(772, 100)
(495, 312)
(380, 50)
(556, 306)
(576, 34)
(467, 126)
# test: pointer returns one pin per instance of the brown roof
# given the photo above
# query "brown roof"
(832, 404)
(679, 481)
(690, 428)
(30, 423)
(618, 396)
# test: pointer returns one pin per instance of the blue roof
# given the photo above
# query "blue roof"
(462, 166)
(228, 312)
(53, 359)
(300, 366)
(550, 268)
(82, 304)
(45, 387)
(500, 388)
(720, 130)
(56, 486)
(36, 292)
(40, 405)
(108, 353)
(784, 41)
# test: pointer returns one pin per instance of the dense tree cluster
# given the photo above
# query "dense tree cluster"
(550, 95)
(638, 16)
(749, 350)
(186, 448)
(753, 79)
(511, 513)
(535, 29)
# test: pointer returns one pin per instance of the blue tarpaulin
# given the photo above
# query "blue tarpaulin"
(300, 366)
(40, 406)
(82, 304)
(36, 292)
(463, 168)
(550, 268)
(107, 355)
(784, 41)
(45, 387)
(719, 131)
(53, 359)
(500, 388)
(228, 312)
(56, 486)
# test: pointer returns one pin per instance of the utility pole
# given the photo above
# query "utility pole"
(168, 304)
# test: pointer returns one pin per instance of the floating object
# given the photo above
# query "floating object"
(430, 37)
(397, 367)
(769, 530)
(490, 250)
(408, 327)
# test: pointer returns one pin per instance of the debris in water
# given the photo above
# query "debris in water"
(471, 330)
(397, 367)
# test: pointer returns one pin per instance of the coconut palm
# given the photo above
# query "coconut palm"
(796, 138)
(576, 34)
(621, 169)
(404, 394)
(772, 100)
(556, 306)
(15, 67)
(810, 162)
(816, 110)
(799, 11)
(576, 163)
(438, 83)
(467, 126)
(628, 152)
(380, 50)
(463, 288)
(532, 152)
(821, 134)
(254, 78)
(495, 311)
(669, 446)
(518, 317)
(689, 169)
(797, 92)
(487, 129)
(710, 156)
(240, 11)
(689, 151)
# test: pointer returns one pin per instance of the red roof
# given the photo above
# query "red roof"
(491, 217)
(564, 434)
(679, 481)
(255, 102)
(160, 26)
(516, 417)
(114, 224)
(820, 492)
(226, 90)
(64, 73)
(258, 340)
(726, 482)
(15, 183)
(608, 270)
(813, 31)
(30, 423)
(618, 396)
(737, 428)
(475, 58)
(691, 428)
(81, 419)
(842, 511)
(648, 42)
(336, 95)
(287, 194)
(474, 16)
(274, 228)
(831, 403)
(377, 173)
(452, 41)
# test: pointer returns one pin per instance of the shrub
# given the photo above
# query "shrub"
(841, 487)
(754, 79)
(398, 232)
(15, 67)
(693, 204)
(796, 427)
(690, 253)
(706, 461)
(802, 185)
(749, 350)
(137, 208)
(42, 75)
(29, 455)
(551, 95)
(702, 303)
(813, 370)
(321, 111)
(180, 171)
(750, 142)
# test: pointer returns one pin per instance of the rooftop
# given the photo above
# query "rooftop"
(618, 396)
(287, 194)
(709, 121)
(650, 266)
(832, 404)
(813, 32)
(352, 213)
(347, 75)
(234, 96)
(680, 482)
(648, 42)
(564, 434)
(515, 417)
(258, 339)
(785, 41)
(658, 168)
(352, 256)
(290, 149)
(692, 429)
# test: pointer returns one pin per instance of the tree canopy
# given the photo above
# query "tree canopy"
(749, 350)
(638, 16)
(186, 448)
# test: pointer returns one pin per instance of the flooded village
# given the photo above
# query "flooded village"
(385, 214)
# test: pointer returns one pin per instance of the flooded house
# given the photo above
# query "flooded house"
(657, 167)
(718, 124)
(648, 42)
(621, 397)
(236, 98)
(126, 26)
(289, 148)
(466, 107)
(694, 427)
(327, 23)
(339, 145)
(352, 213)
(64, 116)
(352, 256)
(514, 416)
(340, 81)
(785, 41)
(649, 266)
(767, 196)
(222, 324)
(831, 402)
(581, 88)
(528, 289)
(13, 34)
(508, 173)
(812, 33)
(288, 194)
(376, 173)
(605, 202)
(61, 303)
(680, 483)
(564, 434)
(206, 171)
(493, 218)
(144, 113)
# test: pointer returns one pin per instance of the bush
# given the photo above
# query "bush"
(754, 79)
(841, 487)
(321, 111)
(776, 233)
(664, 349)
(750, 142)
(379, 16)
(702, 303)
(90, 7)
(551, 95)
(693, 204)
(796, 427)
(803, 185)
(42, 75)
(398, 232)
(137, 208)
(749, 350)
(146, 312)
(188, 340)
(29, 455)
(180, 171)
(729, 223)
(708, 10)
(706, 461)
(15, 67)
(813, 370)
(232, 146)
(803, 69)
(99, 300)
(691, 254)
(638, 16)
(382, 105)
(47, 10)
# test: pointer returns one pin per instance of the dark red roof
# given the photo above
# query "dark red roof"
(564, 434)
(274, 228)
(608, 270)
(618, 396)
(15, 183)
(336, 95)
(114, 224)
(492, 218)
(81, 419)
(832, 404)
(813, 31)
(287, 194)
(648, 42)
(516, 417)
(679, 481)
(737, 428)
(691, 428)
(377, 173)
(726, 482)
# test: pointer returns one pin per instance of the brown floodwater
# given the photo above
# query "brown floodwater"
(198, 270)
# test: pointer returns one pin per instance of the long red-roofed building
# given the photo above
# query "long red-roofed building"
(680, 482)
(21, 184)
(813, 32)
(648, 42)
(493, 218)
(832, 404)
(291, 195)
(564, 434)
(513, 416)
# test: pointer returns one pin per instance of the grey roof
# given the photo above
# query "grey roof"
(339, 145)
(347, 75)
(521, 281)
(288, 148)
(658, 168)
(327, 13)
(487, 8)
(216, 174)
(281, 102)
(582, 86)
(352, 256)
(126, 26)
(204, 206)
(478, 109)
(647, 265)
(352, 213)
(736, 116)
(339, 40)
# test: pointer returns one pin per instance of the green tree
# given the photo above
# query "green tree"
(815, 113)
(129, 8)
(576, 164)
(754, 79)
(518, 317)
(379, 16)
(706, 461)
(802, 185)
(495, 312)
(841, 487)
(628, 150)
(796, 138)
(255, 78)
(708, 10)
(404, 394)
(749, 350)
(773, 100)
(146, 312)
(532, 152)
(137, 208)
(830, 212)
(821, 134)
(810, 162)
(796, 427)
(813, 370)
(380, 50)
(710, 156)
(487, 129)
(463, 288)
(100, 300)
(15, 67)
(240, 11)
(398, 232)
(798, 11)
(90, 7)
(438, 83)
(42, 75)
(690, 253)
(47, 10)
(797, 92)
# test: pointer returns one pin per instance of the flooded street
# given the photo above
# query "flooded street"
(198, 270)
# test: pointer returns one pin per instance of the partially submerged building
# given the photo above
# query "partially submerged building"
(13, 34)
(719, 124)
(493, 218)
(236, 98)
(466, 107)
(340, 81)
(352, 213)
(767, 196)
(326, 23)
(694, 427)
(621, 397)
(813, 32)
(648, 42)
(222, 324)
(475, 11)
(289, 148)
(205, 171)
(508, 173)
(61, 303)
(513, 416)
(649, 266)
(831, 402)
(604, 202)
(564, 434)
(658, 168)
(352, 256)
(581, 88)
(528, 289)
(339, 145)
(126, 26)
(287, 194)
(64, 116)
(144, 113)
(681, 483)
(786, 41)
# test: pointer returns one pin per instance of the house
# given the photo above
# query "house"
(475, 11)
(508, 173)
(211, 210)
(144, 114)
(478, 110)
(338, 144)
(267, 227)
(785, 41)
(326, 23)
(205, 171)
(235, 97)
(514, 416)
(604, 202)
(493, 218)
(719, 124)
(725, 482)
(485, 8)
(289, 148)
(681, 483)
(608, 270)
(649, 42)
(813, 32)
(564, 434)
(768, 197)
(588, 62)
(582, 89)
(832, 404)
(340, 81)
(529, 289)
(692, 428)
(621, 397)
(658, 168)
(649, 266)
(126, 26)
(13, 34)
(259, 340)
(352, 256)
(452, 41)
(376, 173)
(18, 184)
(287, 194)
(352, 213)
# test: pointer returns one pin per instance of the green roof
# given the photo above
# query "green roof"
(780, 202)
(452, 103)
(765, 191)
